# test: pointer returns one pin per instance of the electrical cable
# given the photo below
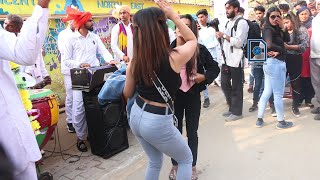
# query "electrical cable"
(61, 153)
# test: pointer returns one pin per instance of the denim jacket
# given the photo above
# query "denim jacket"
(113, 88)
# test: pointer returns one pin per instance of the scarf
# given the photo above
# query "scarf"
(123, 41)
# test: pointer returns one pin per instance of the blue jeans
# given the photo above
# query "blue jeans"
(251, 76)
(274, 82)
(158, 135)
(206, 92)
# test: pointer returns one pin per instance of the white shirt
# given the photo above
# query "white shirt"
(16, 134)
(172, 35)
(38, 70)
(80, 49)
(62, 37)
(314, 42)
(207, 37)
(118, 54)
(239, 38)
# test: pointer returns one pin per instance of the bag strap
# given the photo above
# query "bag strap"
(165, 95)
(235, 26)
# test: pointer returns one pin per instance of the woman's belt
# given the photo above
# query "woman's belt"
(151, 108)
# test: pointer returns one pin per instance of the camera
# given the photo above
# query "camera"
(215, 24)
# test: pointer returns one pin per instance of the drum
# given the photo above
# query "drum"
(46, 104)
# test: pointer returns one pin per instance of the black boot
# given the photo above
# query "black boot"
(254, 107)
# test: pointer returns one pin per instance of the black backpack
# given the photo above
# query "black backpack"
(253, 33)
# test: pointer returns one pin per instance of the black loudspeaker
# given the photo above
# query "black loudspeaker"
(106, 125)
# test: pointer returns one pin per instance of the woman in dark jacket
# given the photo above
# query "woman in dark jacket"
(307, 91)
(299, 42)
(195, 75)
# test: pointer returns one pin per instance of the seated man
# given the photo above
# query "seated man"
(13, 23)
(39, 72)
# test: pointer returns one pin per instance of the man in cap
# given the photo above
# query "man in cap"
(80, 52)
(62, 37)
(122, 35)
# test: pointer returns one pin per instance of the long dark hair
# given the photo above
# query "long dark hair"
(296, 25)
(271, 10)
(268, 25)
(151, 46)
(192, 62)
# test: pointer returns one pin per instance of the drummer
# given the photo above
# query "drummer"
(13, 23)
(16, 134)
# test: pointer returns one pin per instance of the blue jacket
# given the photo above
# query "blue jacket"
(113, 88)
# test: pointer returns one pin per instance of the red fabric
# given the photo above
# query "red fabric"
(80, 18)
(305, 71)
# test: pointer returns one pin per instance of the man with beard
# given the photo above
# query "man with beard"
(231, 70)
(80, 52)
(122, 35)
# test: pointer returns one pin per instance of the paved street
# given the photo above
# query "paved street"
(227, 151)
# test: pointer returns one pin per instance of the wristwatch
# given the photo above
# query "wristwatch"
(224, 36)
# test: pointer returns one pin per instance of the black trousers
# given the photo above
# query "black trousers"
(233, 91)
(188, 104)
(307, 91)
(294, 64)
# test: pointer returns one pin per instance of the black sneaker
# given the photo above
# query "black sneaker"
(254, 107)
(310, 105)
(296, 111)
(316, 111)
(284, 124)
(70, 128)
(259, 123)
(206, 103)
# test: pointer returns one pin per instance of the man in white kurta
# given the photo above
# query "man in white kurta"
(38, 70)
(80, 52)
(122, 35)
(63, 35)
(16, 134)
(13, 23)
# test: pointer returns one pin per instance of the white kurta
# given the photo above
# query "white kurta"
(77, 50)
(115, 44)
(38, 70)
(62, 41)
(16, 134)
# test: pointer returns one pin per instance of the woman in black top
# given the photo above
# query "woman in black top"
(275, 67)
(194, 78)
(151, 118)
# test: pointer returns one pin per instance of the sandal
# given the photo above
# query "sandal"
(81, 146)
(173, 173)
(194, 173)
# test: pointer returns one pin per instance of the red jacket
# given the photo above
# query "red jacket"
(305, 71)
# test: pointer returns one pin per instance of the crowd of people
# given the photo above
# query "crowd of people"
(168, 70)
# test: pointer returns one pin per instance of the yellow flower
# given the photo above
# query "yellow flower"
(14, 65)
(35, 125)
(25, 97)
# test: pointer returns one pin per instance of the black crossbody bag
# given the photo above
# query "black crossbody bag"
(165, 95)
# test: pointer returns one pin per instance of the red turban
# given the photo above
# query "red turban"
(80, 18)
